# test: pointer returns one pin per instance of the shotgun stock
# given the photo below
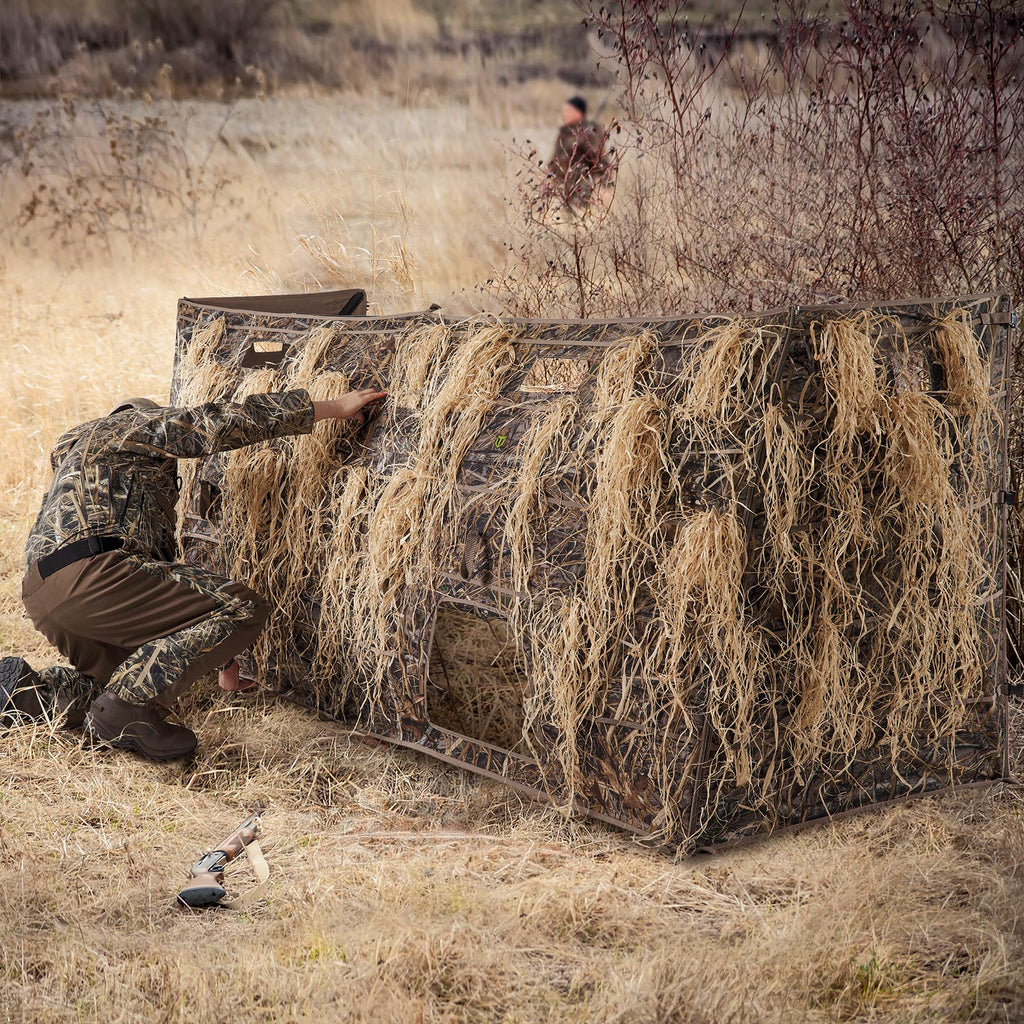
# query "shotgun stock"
(205, 887)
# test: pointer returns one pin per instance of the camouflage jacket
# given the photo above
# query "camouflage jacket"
(117, 476)
(579, 162)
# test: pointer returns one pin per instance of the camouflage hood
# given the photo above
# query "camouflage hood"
(67, 441)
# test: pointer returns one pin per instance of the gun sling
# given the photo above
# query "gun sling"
(261, 869)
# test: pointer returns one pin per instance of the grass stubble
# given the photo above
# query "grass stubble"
(404, 890)
(401, 889)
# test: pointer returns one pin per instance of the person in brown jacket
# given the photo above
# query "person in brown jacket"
(102, 584)
(579, 168)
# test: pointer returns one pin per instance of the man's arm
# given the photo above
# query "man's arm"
(560, 156)
(347, 407)
(191, 433)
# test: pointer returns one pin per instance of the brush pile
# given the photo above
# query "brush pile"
(739, 573)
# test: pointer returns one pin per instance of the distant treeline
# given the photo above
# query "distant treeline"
(204, 46)
(209, 47)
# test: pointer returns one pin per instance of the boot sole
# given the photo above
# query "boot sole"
(11, 671)
(14, 672)
(91, 738)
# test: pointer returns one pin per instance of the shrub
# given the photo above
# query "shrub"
(875, 157)
(113, 173)
(229, 27)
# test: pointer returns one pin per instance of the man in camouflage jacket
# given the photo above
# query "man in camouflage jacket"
(579, 168)
(102, 584)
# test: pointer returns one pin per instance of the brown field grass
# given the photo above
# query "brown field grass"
(401, 889)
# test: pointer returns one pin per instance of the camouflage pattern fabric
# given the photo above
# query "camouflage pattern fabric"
(579, 164)
(117, 476)
(62, 687)
(159, 664)
(636, 761)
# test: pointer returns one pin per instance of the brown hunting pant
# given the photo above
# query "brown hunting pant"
(144, 630)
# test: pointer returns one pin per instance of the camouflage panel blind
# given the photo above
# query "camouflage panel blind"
(703, 577)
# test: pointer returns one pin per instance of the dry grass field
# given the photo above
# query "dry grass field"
(401, 889)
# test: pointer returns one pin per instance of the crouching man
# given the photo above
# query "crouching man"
(102, 584)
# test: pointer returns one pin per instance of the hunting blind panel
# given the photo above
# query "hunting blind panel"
(701, 577)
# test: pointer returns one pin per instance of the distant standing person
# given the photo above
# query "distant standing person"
(579, 169)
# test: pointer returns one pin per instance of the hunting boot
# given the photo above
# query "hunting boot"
(141, 728)
(20, 692)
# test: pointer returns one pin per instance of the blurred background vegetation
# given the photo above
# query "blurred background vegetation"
(209, 47)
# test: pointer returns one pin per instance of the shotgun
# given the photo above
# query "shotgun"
(205, 888)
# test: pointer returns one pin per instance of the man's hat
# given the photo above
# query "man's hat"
(579, 103)
(142, 404)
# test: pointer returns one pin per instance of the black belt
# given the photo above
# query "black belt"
(76, 551)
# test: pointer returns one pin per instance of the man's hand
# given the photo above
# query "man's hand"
(348, 407)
